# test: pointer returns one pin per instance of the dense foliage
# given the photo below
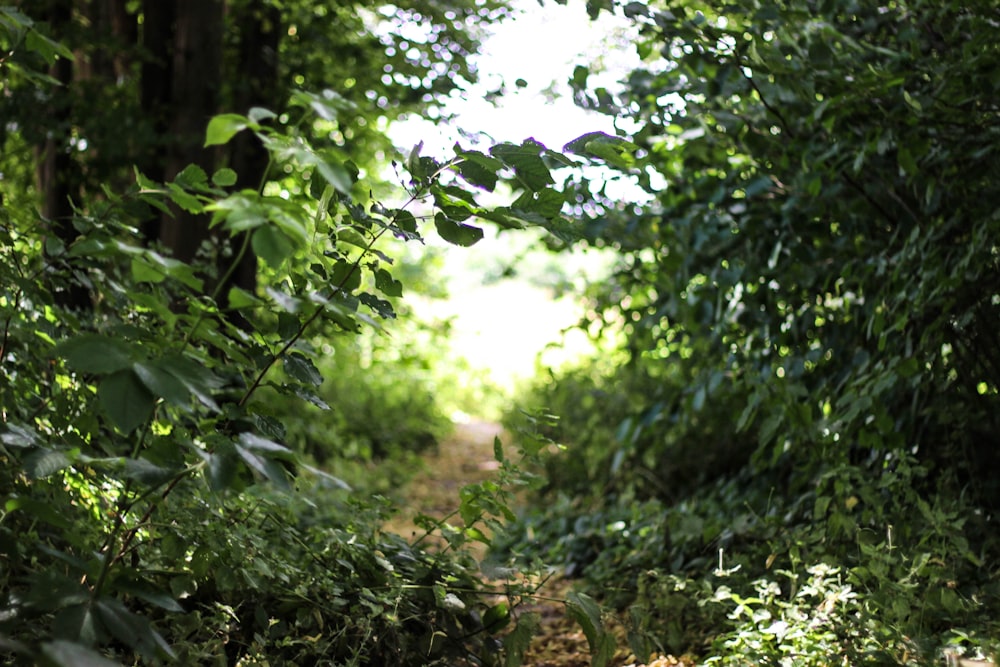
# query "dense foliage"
(783, 458)
(159, 498)
(792, 450)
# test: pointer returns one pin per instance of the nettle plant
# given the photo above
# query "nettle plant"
(149, 509)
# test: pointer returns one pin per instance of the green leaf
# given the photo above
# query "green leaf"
(19, 436)
(42, 511)
(613, 150)
(269, 447)
(526, 161)
(271, 245)
(516, 643)
(142, 272)
(267, 468)
(62, 653)
(387, 284)
(478, 168)
(257, 114)
(163, 383)
(191, 177)
(639, 640)
(496, 617)
(126, 400)
(238, 298)
(305, 395)
(153, 597)
(302, 369)
(77, 623)
(584, 610)
(546, 202)
(413, 163)
(196, 377)
(150, 266)
(238, 212)
(42, 463)
(382, 307)
(94, 353)
(224, 177)
(223, 127)
(335, 174)
(457, 233)
(184, 199)
(47, 48)
(345, 276)
(147, 472)
(222, 467)
(132, 630)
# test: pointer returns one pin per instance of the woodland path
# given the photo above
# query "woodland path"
(466, 457)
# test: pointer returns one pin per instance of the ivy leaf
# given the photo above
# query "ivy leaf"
(457, 233)
(126, 400)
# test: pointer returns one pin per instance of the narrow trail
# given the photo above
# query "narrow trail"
(466, 457)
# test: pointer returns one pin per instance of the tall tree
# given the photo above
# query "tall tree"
(160, 70)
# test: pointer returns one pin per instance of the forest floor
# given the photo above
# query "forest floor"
(466, 457)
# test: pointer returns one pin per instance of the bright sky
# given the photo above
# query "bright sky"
(502, 326)
(541, 46)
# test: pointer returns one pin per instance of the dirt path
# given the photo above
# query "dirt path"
(466, 457)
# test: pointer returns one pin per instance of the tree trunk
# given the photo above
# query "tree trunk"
(259, 28)
(197, 79)
(155, 90)
(57, 174)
